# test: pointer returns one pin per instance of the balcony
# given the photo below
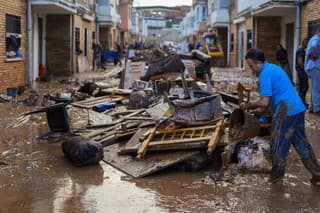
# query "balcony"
(220, 18)
(107, 14)
(54, 6)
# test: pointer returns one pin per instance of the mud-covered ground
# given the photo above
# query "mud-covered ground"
(35, 177)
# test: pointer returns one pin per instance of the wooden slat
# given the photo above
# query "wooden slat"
(143, 149)
(185, 129)
(215, 137)
(188, 140)
(89, 103)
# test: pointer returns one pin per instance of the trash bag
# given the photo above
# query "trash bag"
(81, 151)
(140, 99)
(170, 64)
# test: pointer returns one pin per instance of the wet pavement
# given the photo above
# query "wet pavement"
(35, 177)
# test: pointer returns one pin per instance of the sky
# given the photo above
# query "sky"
(168, 3)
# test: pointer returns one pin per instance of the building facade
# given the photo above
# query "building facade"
(13, 32)
(194, 24)
(263, 24)
(218, 19)
(108, 23)
(62, 33)
(126, 25)
(310, 21)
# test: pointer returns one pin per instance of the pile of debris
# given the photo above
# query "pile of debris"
(170, 115)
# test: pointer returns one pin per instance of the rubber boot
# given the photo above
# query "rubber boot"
(312, 165)
(277, 174)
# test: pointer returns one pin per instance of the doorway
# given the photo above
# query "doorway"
(290, 43)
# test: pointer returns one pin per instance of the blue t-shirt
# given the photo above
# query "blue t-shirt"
(275, 83)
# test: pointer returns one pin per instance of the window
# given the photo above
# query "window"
(13, 36)
(93, 36)
(312, 27)
(85, 41)
(77, 40)
(204, 11)
(249, 39)
(231, 42)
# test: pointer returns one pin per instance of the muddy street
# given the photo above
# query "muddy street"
(36, 177)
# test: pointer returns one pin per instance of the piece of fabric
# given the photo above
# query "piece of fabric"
(291, 130)
(275, 83)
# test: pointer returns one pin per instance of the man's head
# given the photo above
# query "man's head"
(255, 59)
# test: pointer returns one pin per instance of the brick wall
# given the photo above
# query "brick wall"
(310, 12)
(12, 74)
(91, 27)
(268, 35)
(59, 60)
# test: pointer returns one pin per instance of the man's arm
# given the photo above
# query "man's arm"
(261, 102)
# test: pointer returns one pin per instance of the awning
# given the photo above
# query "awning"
(239, 20)
(275, 9)
(51, 7)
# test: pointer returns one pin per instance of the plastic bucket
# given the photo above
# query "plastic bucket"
(12, 92)
(249, 125)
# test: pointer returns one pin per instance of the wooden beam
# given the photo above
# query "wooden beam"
(187, 140)
(215, 137)
(143, 149)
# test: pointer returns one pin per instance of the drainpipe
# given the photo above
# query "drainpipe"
(298, 31)
(298, 22)
(29, 74)
(228, 44)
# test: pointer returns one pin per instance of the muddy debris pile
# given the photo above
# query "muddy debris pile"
(155, 114)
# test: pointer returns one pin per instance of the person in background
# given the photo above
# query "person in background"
(302, 75)
(277, 91)
(96, 60)
(190, 46)
(119, 54)
(282, 58)
(312, 67)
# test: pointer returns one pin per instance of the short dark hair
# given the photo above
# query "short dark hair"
(255, 55)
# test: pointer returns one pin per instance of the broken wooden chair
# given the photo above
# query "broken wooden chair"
(166, 139)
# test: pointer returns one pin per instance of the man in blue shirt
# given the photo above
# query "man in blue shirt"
(277, 91)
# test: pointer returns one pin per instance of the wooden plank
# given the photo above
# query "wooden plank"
(146, 166)
(167, 147)
(187, 140)
(215, 137)
(143, 149)
(89, 103)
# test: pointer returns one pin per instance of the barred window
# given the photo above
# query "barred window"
(13, 36)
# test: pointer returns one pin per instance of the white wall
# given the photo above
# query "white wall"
(287, 20)
(35, 51)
